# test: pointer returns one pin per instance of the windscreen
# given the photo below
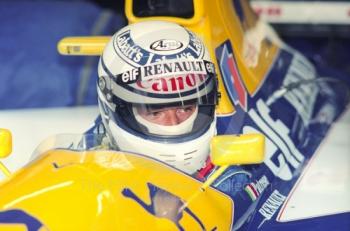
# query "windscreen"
(151, 8)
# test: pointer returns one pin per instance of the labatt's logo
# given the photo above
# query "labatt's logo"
(129, 50)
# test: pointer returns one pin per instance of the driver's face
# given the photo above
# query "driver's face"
(167, 116)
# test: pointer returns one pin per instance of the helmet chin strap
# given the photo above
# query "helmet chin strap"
(179, 129)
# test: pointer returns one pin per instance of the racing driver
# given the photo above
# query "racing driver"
(157, 94)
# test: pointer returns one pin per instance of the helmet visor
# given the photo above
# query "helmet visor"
(160, 121)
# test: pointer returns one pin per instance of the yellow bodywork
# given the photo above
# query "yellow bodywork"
(215, 22)
(67, 190)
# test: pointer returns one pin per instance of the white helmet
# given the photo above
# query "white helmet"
(157, 64)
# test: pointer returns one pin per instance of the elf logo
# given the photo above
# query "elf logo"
(166, 45)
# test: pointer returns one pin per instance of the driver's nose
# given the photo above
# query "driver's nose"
(171, 118)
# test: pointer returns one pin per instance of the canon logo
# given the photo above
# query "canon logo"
(173, 84)
(166, 45)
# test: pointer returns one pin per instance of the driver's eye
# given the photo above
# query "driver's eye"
(186, 109)
(189, 109)
(153, 114)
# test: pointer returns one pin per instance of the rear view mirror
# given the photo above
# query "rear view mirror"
(89, 45)
(229, 150)
(5, 143)
(237, 149)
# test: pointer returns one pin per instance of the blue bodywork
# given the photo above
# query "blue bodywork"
(294, 108)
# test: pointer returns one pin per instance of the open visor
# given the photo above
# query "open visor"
(156, 122)
(168, 99)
